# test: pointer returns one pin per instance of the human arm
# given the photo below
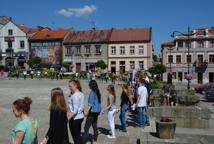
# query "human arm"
(74, 105)
(90, 103)
(19, 137)
(109, 103)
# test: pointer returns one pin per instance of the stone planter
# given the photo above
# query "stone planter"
(165, 130)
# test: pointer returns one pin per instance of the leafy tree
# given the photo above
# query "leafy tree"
(37, 60)
(157, 69)
(101, 64)
(155, 57)
(34, 60)
(66, 65)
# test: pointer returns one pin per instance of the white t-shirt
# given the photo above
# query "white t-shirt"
(143, 94)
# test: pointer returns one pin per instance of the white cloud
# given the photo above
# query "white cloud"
(77, 12)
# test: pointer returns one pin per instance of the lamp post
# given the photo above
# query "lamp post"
(188, 34)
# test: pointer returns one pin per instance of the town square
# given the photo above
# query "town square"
(116, 72)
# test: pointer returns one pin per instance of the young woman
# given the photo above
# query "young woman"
(111, 109)
(92, 111)
(124, 106)
(76, 105)
(25, 131)
(57, 132)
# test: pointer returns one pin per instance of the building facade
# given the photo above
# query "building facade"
(13, 44)
(48, 45)
(200, 59)
(83, 49)
(130, 49)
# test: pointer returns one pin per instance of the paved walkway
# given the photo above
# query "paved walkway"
(39, 91)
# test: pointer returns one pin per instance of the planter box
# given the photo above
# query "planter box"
(165, 130)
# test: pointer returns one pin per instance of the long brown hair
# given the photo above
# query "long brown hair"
(58, 100)
(125, 88)
(77, 83)
(111, 90)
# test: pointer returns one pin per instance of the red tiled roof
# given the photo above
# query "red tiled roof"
(26, 29)
(88, 36)
(211, 31)
(46, 34)
(171, 43)
(131, 35)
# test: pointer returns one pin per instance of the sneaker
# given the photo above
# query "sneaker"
(111, 136)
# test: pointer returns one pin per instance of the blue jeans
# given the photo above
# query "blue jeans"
(124, 108)
(142, 116)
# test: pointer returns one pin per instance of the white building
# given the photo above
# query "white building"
(200, 59)
(13, 43)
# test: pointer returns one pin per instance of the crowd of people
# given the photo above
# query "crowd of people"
(74, 112)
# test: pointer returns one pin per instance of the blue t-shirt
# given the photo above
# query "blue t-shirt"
(94, 102)
(29, 127)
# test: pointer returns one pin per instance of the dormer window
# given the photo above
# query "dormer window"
(10, 32)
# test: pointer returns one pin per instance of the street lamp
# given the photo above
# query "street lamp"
(188, 34)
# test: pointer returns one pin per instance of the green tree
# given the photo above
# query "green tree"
(157, 69)
(34, 61)
(66, 65)
(101, 64)
(155, 57)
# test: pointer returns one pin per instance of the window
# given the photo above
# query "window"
(98, 49)
(122, 66)
(211, 58)
(141, 65)
(78, 50)
(200, 59)
(22, 44)
(68, 51)
(180, 44)
(189, 58)
(122, 50)
(113, 63)
(10, 45)
(186, 44)
(178, 59)
(170, 58)
(87, 49)
(174, 75)
(10, 32)
(212, 44)
(141, 50)
(113, 50)
(132, 50)
(200, 44)
(132, 64)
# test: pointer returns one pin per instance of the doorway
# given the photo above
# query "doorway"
(211, 77)
(200, 77)
(180, 76)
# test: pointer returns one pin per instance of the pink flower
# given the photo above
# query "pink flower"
(188, 77)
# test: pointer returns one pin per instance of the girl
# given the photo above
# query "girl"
(25, 131)
(57, 132)
(93, 110)
(111, 109)
(124, 106)
(76, 105)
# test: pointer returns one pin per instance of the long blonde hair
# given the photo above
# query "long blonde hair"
(58, 100)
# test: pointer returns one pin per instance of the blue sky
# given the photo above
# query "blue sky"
(164, 16)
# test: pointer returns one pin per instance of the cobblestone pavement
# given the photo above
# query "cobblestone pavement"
(39, 91)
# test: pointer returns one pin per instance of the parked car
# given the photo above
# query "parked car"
(209, 91)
